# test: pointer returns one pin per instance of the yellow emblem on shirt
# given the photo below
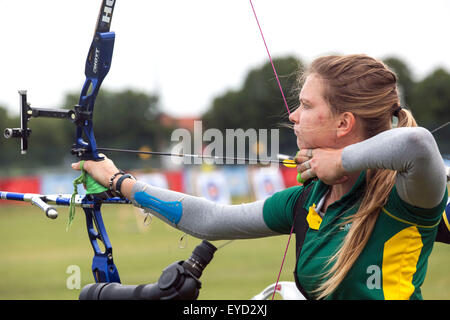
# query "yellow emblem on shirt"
(313, 218)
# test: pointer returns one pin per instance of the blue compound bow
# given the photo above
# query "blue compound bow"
(98, 63)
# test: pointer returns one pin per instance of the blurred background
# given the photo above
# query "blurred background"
(176, 62)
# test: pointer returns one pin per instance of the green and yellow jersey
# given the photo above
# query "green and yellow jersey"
(393, 263)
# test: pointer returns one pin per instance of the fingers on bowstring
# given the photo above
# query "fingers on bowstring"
(308, 174)
(304, 166)
(303, 155)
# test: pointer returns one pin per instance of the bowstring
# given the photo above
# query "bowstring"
(289, 112)
(440, 127)
(270, 58)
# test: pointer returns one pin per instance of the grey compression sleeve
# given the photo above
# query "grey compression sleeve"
(413, 152)
(205, 219)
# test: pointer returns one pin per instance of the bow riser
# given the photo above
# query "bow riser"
(98, 63)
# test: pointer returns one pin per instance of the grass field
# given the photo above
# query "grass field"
(35, 253)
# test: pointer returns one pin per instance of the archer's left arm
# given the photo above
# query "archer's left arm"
(200, 217)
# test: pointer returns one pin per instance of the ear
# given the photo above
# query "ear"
(346, 124)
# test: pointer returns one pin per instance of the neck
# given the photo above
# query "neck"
(337, 191)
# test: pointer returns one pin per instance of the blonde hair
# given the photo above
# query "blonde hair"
(367, 88)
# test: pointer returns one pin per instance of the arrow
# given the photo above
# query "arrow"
(282, 159)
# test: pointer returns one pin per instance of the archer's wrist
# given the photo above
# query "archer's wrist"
(127, 186)
(122, 183)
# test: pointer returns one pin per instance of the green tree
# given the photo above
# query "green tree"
(404, 78)
(431, 104)
(259, 104)
(431, 98)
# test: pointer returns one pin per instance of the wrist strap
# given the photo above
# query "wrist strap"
(112, 180)
(119, 183)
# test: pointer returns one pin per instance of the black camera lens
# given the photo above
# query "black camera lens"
(201, 256)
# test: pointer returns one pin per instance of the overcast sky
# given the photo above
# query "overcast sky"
(191, 51)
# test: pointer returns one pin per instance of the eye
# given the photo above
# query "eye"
(304, 105)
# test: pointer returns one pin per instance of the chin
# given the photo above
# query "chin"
(302, 145)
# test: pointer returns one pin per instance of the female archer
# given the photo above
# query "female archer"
(375, 203)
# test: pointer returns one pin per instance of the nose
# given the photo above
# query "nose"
(293, 116)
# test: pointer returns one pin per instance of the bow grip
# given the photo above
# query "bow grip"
(92, 186)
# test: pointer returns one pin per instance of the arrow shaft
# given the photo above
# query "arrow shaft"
(181, 155)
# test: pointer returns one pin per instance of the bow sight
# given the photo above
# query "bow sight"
(27, 112)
